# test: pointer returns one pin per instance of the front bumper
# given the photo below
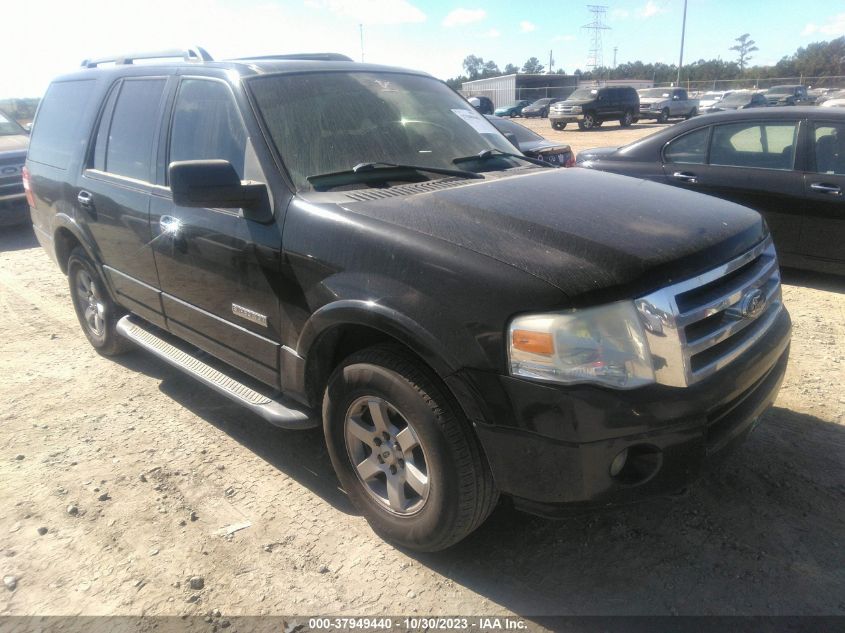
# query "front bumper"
(565, 118)
(649, 114)
(551, 447)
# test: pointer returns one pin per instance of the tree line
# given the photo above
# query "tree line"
(820, 59)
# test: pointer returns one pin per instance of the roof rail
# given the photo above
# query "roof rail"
(319, 57)
(195, 54)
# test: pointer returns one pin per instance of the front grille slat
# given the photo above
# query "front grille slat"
(696, 327)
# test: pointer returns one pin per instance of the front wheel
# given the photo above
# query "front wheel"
(97, 313)
(557, 125)
(588, 122)
(627, 119)
(403, 452)
(663, 117)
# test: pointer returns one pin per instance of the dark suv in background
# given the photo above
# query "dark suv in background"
(353, 246)
(590, 107)
(13, 143)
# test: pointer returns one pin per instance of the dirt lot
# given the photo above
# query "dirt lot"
(137, 474)
(609, 134)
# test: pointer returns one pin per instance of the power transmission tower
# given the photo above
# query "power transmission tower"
(596, 27)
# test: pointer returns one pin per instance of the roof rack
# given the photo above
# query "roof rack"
(319, 57)
(195, 54)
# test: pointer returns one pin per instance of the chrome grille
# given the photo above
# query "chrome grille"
(696, 327)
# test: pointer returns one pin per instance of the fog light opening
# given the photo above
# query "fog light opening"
(636, 464)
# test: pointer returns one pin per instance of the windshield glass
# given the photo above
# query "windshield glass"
(9, 127)
(584, 93)
(736, 98)
(541, 102)
(654, 92)
(713, 95)
(329, 122)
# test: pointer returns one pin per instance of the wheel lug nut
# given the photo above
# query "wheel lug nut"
(380, 460)
(377, 441)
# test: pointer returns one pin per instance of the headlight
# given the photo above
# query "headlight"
(603, 345)
(576, 109)
(654, 106)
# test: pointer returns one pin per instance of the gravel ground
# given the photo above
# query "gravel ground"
(128, 488)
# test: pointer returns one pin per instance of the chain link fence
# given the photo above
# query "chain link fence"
(833, 81)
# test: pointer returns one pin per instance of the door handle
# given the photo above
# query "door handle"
(685, 176)
(169, 225)
(821, 187)
(85, 199)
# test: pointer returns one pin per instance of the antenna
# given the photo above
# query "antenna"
(596, 26)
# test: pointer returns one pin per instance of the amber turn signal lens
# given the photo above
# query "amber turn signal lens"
(533, 342)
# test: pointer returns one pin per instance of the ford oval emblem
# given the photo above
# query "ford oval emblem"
(752, 303)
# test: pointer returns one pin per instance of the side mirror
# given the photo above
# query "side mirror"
(215, 183)
(512, 138)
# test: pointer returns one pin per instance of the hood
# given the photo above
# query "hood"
(14, 142)
(595, 236)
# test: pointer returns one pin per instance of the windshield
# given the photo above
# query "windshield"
(654, 92)
(715, 96)
(541, 102)
(736, 98)
(329, 122)
(781, 90)
(9, 127)
(583, 93)
(522, 133)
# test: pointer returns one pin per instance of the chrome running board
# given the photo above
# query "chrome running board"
(287, 415)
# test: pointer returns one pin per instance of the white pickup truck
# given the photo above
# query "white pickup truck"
(663, 104)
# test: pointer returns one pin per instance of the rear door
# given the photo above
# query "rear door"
(823, 233)
(219, 272)
(113, 194)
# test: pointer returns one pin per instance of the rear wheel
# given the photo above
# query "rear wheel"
(97, 313)
(663, 117)
(627, 119)
(557, 125)
(692, 113)
(405, 455)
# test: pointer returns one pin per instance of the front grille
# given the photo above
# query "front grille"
(644, 106)
(696, 327)
(563, 109)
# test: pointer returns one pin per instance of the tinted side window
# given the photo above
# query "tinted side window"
(764, 146)
(690, 148)
(58, 128)
(829, 141)
(207, 124)
(133, 126)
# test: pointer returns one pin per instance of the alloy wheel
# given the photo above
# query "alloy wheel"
(90, 302)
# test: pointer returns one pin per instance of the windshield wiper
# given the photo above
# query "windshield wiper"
(493, 153)
(365, 169)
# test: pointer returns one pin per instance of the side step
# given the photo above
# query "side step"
(288, 415)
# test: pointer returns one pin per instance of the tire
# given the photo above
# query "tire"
(627, 119)
(588, 122)
(384, 388)
(97, 313)
(556, 125)
(693, 112)
(664, 116)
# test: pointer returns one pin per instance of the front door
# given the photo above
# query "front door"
(218, 271)
(823, 233)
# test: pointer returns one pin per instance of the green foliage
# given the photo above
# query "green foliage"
(744, 46)
(532, 66)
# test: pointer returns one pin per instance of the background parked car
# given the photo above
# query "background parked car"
(512, 109)
(532, 144)
(756, 158)
(738, 100)
(483, 104)
(832, 99)
(540, 107)
(662, 104)
(590, 107)
(711, 98)
(13, 143)
(788, 95)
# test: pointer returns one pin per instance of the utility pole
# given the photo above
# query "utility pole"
(361, 30)
(596, 27)
(551, 61)
(615, 48)
(683, 32)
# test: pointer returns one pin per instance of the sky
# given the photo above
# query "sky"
(54, 36)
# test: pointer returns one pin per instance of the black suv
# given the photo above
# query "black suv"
(354, 246)
(590, 107)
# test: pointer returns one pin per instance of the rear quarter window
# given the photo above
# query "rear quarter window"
(58, 126)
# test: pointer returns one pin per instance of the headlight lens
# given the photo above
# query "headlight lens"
(576, 109)
(603, 345)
